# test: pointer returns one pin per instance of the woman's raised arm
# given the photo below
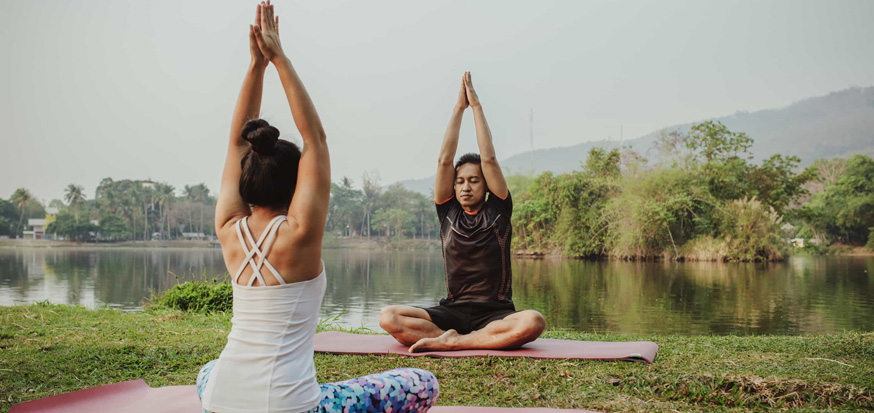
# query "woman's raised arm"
(230, 205)
(309, 205)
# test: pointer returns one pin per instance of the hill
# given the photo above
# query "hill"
(838, 124)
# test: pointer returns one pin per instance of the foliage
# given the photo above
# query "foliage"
(845, 209)
(870, 244)
(751, 230)
(394, 212)
(199, 296)
(113, 227)
(707, 202)
(653, 215)
(8, 217)
(75, 197)
(67, 226)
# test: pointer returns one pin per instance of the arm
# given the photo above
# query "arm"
(491, 170)
(230, 205)
(444, 181)
(309, 206)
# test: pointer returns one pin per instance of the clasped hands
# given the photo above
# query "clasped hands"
(264, 42)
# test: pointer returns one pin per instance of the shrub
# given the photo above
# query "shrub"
(751, 230)
(200, 296)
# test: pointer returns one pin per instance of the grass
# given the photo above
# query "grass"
(51, 349)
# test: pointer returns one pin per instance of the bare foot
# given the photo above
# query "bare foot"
(445, 341)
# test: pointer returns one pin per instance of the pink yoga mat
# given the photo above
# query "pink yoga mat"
(130, 396)
(137, 397)
(542, 348)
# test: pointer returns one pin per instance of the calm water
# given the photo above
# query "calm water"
(802, 295)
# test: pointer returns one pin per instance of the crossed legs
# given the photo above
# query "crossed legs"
(413, 327)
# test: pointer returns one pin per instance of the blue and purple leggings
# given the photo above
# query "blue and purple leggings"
(398, 390)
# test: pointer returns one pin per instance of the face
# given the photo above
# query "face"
(470, 187)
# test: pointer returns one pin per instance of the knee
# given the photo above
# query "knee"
(389, 319)
(534, 324)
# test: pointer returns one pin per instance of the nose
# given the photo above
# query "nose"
(465, 186)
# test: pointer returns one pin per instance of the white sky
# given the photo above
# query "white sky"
(145, 89)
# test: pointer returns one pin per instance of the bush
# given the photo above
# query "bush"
(704, 248)
(870, 244)
(752, 231)
(200, 296)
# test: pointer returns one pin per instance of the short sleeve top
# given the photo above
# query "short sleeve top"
(476, 250)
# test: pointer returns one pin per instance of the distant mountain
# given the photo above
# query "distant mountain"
(838, 124)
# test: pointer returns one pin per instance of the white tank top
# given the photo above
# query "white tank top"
(267, 365)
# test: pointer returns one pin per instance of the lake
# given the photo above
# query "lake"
(801, 295)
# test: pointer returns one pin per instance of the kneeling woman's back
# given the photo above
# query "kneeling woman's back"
(270, 218)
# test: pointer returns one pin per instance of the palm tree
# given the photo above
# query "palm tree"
(165, 197)
(200, 194)
(21, 198)
(75, 197)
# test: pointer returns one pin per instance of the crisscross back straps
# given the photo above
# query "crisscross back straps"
(269, 235)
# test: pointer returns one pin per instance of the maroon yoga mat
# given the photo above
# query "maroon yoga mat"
(542, 348)
(137, 397)
(130, 396)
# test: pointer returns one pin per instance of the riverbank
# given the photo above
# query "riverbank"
(385, 244)
(51, 349)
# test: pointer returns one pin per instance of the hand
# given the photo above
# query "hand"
(462, 97)
(266, 32)
(472, 98)
(258, 59)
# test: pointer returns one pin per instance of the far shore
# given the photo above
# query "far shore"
(353, 243)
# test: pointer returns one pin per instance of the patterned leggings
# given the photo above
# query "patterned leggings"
(398, 390)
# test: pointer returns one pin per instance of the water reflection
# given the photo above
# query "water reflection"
(802, 295)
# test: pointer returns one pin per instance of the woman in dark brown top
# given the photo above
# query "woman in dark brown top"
(478, 311)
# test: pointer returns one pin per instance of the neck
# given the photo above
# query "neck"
(266, 213)
(473, 209)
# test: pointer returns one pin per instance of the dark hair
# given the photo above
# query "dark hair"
(468, 158)
(269, 166)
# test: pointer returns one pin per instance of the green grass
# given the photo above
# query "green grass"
(52, 349)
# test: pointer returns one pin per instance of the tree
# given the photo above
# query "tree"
(344, 207)
(67, 226)
(75, 197)
(775, 182)
(602, 164)
(21, 198)
(113, 227)
(372, 190)
(198, 194)
(722, 156)
(164, 195)
(845, 209)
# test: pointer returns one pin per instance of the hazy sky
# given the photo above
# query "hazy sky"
(145, 89)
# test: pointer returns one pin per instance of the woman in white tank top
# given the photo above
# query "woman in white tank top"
(279, 277)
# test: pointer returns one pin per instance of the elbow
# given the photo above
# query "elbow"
(317, 136)
(445, 161)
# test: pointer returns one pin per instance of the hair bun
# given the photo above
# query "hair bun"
(261, 136)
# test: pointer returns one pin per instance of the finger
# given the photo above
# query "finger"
(276, 24)
(264, 11)
(258, 15)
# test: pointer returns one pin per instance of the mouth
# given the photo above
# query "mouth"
(466, 197)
